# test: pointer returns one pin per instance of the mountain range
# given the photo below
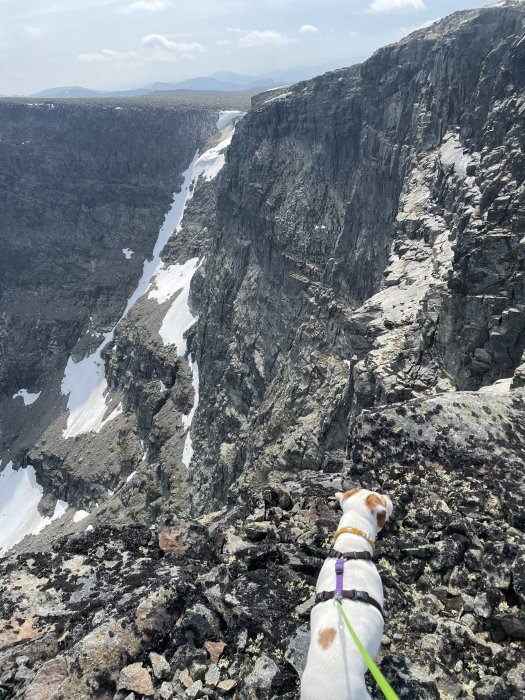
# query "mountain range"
(222, 81)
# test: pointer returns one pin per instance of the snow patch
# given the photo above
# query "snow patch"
(187, 452)
(187, 419)
(179, 319)
(130, 477)
(176, 279)
(226, 117)
(279, 87)
(282, 96)
(85, 382)
(20, 494)
(172, 279)
(26, 396)
(80, 515)
(128, 253)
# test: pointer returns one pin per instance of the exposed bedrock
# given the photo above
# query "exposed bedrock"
(368, 249)
(224, 600)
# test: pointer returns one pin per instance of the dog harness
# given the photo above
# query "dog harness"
(340, 593)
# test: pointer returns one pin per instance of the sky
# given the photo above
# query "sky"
(123, 44)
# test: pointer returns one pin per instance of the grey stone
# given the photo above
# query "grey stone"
(490, 688)
(195, 690)
(297, 649)
(213, 676)
(258, 683)
(161, 668)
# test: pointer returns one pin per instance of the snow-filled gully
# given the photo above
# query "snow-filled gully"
(84, 382)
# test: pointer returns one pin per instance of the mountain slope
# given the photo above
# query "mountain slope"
(341, 303)
(368, 249)
(87, 187)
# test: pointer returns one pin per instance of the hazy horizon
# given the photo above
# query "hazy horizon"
(126, 44)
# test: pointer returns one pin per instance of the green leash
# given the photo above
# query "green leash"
(374, 670)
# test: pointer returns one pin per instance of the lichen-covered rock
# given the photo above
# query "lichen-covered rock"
(159, 665)
(258, 683)
(48, 680)
(136, 678)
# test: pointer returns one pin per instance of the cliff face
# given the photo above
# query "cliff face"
(85, 189)
(81, 182)
(368, 248)
(341, 303)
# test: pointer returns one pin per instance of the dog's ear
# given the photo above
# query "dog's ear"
(342, 497)
(380, 507)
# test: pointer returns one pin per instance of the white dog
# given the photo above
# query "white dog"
(334, 668)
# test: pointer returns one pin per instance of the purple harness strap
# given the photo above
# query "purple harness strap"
(339, 569)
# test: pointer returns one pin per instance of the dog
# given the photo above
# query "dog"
(335, 669)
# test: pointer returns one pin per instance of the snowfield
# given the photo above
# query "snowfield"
(20, 495)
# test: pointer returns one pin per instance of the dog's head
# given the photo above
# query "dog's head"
(366, 503)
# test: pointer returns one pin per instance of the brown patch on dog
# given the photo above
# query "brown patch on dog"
(347, 494)
(381, 518)
(326, 637)
(374, 500)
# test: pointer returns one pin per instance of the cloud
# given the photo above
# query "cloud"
(308, 29)
(396, 5)
(106, 55)
(34, 32)
(263, 38)
(223, 42)
(145, 6)
(165, 49)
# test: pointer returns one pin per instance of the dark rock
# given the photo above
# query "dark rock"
(491, 688)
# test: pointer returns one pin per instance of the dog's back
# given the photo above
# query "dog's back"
(335, 669)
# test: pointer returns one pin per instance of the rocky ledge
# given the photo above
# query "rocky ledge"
(219, 606)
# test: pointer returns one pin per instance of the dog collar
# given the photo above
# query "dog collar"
(355, 531)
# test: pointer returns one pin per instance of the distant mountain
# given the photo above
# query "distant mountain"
(212, 83)
(221, 81)
(77, 91)
(74, 91)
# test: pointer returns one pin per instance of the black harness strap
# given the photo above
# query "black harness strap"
(360, 596)
(335, 554)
